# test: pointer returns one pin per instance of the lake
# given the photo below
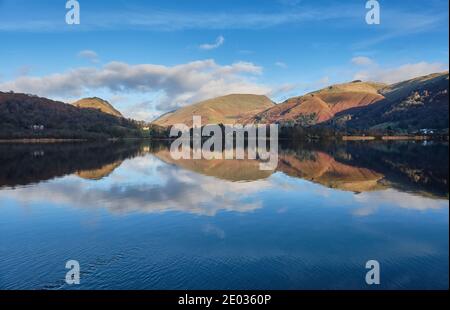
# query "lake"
(134, 218)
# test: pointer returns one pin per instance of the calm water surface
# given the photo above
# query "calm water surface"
(136, 219)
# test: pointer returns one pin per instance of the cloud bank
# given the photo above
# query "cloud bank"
(179, 85)
(369, 70)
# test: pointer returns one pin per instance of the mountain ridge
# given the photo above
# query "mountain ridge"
(353, 107)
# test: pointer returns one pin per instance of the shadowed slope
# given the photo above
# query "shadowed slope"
(408, 106)
(31, 117)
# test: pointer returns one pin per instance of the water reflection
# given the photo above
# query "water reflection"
(137, 219)
(19, 164)
(356, 167)
(151, 181)
(322, 168)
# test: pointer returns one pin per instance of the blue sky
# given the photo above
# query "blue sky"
(149, 57)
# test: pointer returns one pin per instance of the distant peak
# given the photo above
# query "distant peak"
(99, 104)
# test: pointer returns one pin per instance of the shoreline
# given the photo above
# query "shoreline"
(55, 140)
(388, 138)
(342, 138)
(44, 140)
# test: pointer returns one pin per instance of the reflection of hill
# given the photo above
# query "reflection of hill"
(408, 166)
(23, 164)
(98, 174)
(352, 166)
(231, 170)
(321, 168)
(314, 166)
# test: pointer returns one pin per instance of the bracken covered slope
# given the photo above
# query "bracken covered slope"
(320, 106)
(221, 110)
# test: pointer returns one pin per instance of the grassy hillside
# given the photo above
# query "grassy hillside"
(222, 110)
(97, 104)
(320, 106)
(26, 116)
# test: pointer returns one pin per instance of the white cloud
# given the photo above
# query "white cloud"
(372, 201)
(281, 64)
(362, 61)
(219, 42)
(89, 55)
(175, 189)
(400, 73)
(142, 110)
(179, 85)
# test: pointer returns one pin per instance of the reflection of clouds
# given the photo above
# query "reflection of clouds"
(144, 164)
(168, 188)
(210, 229)
(365, 203)
(147, 184)
(391, 197)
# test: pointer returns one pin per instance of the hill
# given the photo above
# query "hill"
(97, 104)
(420, 103)
(320, 106)
(221, 110)
(320, 167)
(27, 116)
(235, 170)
